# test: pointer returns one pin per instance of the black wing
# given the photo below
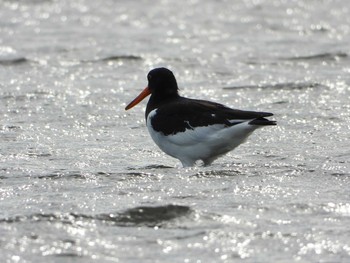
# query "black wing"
(186, 113)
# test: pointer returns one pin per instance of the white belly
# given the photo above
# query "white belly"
(201, 143)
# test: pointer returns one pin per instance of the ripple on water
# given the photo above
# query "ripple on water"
(115, 58)
(148, 216)
(281, 86)
(10, 57)
(327, 56)
(217, 173)
(13, 61)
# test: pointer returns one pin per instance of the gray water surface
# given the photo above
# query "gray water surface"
(81, 179)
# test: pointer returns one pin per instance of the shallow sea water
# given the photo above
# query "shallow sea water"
(82, 181)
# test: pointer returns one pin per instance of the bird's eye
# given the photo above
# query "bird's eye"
(149, 76)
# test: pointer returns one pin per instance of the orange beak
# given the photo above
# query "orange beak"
(139, 98)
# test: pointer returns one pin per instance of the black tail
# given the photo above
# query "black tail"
(262, 121)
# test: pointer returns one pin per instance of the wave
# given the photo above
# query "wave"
(157, 166)
(121, 57)
(287, 85)
(328, 56)
(71, 174)
(148, 216)
(217, 173)
(13, 61)
(63, 173)
(114, 58)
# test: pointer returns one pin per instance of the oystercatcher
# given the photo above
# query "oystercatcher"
(190, 129)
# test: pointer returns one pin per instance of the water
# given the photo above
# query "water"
(80, 178)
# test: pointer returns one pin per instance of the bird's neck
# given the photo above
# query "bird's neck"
(157, 101)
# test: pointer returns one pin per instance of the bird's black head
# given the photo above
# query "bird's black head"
(162, 82)
(161, 85)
